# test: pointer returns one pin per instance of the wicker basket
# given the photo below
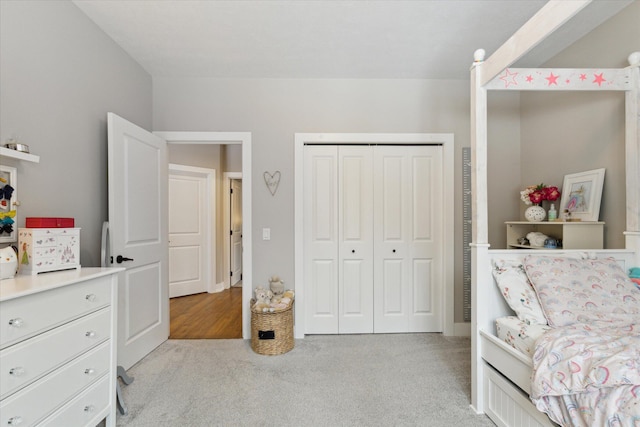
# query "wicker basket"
(272, 333)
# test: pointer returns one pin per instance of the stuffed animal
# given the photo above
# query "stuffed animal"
(263, 300)
(277, 286)
(537, 239)
(283, 301)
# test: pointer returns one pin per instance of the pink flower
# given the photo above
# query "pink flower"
(552, 193)
(535, 194)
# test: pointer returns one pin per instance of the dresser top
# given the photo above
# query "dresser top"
(22, 285)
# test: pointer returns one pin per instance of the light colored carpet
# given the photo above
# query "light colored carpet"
(326, 380)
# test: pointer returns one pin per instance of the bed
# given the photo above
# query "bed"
(501, 374)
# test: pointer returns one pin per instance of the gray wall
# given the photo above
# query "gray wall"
(274, 110)
(59, 76)
(569, 132)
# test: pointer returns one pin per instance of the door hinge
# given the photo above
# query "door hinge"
(231, 273)
(231, 190)
(230, 232)
(240, 276)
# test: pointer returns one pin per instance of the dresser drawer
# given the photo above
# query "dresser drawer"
(23, 317)
(24, 363)
(86, 409)
(41, 398)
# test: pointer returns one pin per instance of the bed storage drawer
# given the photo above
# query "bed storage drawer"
(507, 405)
(508, 360)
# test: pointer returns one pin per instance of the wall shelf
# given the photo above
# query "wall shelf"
(574, 235)
(7, 152)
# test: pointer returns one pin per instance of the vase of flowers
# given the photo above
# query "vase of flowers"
(534, 195)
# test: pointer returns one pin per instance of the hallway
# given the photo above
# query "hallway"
(207, 316)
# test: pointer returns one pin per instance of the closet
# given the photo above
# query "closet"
(373, 238)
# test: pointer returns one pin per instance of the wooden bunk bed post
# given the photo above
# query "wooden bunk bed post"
(632, 155)
(479, 226)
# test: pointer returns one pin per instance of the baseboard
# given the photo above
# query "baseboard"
(462, 329)
(215, 287)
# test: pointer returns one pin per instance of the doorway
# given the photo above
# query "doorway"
(244, 140)
(233, 229)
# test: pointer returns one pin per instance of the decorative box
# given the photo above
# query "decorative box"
(44, 222)
(48, 249)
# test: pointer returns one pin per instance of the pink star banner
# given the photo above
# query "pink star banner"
(560, 79)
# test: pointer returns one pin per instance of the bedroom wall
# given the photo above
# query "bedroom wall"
(569, 132)
(274, 110)
(59, 76)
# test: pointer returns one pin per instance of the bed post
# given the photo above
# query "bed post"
(632, 154)
(479, 245)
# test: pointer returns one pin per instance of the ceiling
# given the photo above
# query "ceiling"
(425, 39)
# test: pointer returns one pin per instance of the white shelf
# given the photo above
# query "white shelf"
(573, 234)
(14, 154)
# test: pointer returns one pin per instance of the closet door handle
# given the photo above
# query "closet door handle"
(394, 251)
(353, 251)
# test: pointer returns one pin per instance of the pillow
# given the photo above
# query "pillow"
(582, 290)
(517, 291)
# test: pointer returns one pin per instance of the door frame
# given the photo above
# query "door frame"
(231, 138)
(210, 219)
(226, 218)
(444, 139)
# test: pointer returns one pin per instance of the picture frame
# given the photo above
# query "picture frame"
(8, 207)
(581, 195)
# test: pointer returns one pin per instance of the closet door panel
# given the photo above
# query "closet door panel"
(321, 263)
(392, 301)
(408, 191)
(355, 230)
(426, 199)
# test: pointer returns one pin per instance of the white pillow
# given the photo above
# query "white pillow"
(518, 292)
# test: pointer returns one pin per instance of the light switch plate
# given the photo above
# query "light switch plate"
(266, 234)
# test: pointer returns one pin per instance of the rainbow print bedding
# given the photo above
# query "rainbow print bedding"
(587, 368)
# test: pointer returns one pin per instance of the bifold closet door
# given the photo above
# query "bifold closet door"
(408, 238)
(338, 222)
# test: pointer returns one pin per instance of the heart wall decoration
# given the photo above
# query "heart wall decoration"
(273, 181)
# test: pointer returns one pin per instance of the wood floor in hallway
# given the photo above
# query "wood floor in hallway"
(207, 316)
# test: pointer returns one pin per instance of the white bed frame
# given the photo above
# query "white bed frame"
(500, 374)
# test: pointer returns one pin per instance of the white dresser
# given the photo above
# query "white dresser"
(58, 348)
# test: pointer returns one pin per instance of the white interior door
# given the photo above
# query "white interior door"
(321, 239)
(355, 234)
(236, 231)
(408, 239)
(190, 260)
(138, 180)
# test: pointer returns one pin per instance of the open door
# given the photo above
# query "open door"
(138, 177)
(236, 231)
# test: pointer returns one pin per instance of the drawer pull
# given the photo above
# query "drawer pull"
(18, 371)
(91, 334)
(17, 322)
(89, 371)
(15, 421)
(91, 297)
(89, 408)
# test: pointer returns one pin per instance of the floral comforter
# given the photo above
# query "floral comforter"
(589, 374)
